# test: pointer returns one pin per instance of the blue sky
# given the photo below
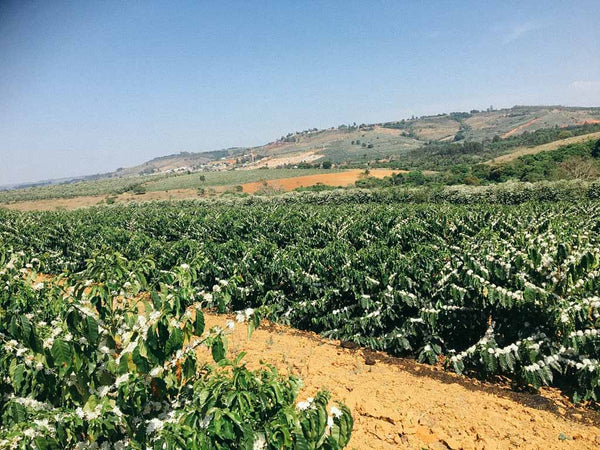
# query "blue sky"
(87, 87)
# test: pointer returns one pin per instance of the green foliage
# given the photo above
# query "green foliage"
(318, 187)
(596, 150)
(442, 156)
(138, 189)
(503, 281)
(540, 166)
(91, 359)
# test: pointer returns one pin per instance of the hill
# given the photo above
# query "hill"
(429, 143)
(363, 143)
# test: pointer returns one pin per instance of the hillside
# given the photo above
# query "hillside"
(370, 142)
(522, 151)
(382, 141)
(427, 143)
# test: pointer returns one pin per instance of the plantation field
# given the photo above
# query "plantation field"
(523, 118)
(484, 290)
(156, 187)
(152, 183)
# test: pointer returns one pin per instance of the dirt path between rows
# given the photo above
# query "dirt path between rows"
(398, 403)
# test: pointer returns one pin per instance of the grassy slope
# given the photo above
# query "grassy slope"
(78, 189)
(485, 125)
(337, 146)
(522, 151)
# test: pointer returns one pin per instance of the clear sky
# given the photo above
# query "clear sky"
(89, 86)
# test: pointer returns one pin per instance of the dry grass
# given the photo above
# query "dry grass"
(437, 129)
(522, 151)
(54, 204)
(272, 161)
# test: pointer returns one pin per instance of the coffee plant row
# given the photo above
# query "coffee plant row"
(100, 359)
(486, 290)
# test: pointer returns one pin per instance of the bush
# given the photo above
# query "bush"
(138, 189)
(101, 372)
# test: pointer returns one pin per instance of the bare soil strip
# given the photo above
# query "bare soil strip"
(398, 403)
(521, 151)
(345, 178)
(520, 127)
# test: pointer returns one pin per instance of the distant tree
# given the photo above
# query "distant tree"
(496, 138)
(202, 178)
(564, 134)
(459, 136)
(471, 180)
(326, 164)
(596, 149)
(138, 189)
(578, 167)
(416, 177)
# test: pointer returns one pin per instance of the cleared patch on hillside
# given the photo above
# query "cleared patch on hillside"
(273, 162)
(345, 178)
(520, 128)
(435, 129)
(522, 151)
(398, 403)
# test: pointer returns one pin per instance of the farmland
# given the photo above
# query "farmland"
(228, 178)
(151, 183)
(456, 148)
(299, 226)
(487, 290)
(215, 307)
